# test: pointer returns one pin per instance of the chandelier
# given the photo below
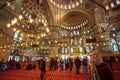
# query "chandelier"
(31, 30)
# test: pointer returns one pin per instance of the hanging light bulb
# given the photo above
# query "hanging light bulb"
(47, 29)
(104, 44)
(45, 24)
(14, 29)
(32, 35)
(44, 34)
(113, 35)
(18, 31)
(21, 34)
(102, 36)
(15, 21)
(8, 25)
(12, 22)
(49, 42)
(38, 37)
(20, 17)
(90, 37)
(5, 46)
(31, 20)
(28, 35)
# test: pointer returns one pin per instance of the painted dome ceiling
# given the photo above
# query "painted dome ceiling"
(47, 15)
(73, 19)
(66, 4)
(33, 7)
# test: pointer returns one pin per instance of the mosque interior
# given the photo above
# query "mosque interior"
(60, 28)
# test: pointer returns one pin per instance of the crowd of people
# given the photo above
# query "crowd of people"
(8, 65)
(99, 70)
(67, 63)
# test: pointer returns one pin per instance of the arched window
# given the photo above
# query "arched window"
(78, 33)
(66, 50)
(71, 34)
(114, 45)
(63, 49)
(87, 49)
(80, 41)
(75, 32)
(20, 39)
(81, 49)
(16, 35)
(75, 41)
(71, 50)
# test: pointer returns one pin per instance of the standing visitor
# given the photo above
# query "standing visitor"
(85, 63)
(77, 64)
(66, 63)
(61, 64)
(52, 63)
(99, 69)
(42, 67)
(70, 59)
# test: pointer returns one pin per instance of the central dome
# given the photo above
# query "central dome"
(66, 4)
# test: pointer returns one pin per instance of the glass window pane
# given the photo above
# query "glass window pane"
(71, 50)
(63, 50)
(75, 41)
(66, 50)
(81, 49)
(87, 49)
(78, 33)
(15, 35)
(74, 32)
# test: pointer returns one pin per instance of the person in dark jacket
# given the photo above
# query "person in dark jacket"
(99, 69)
(85, 63)
(61, 64)
(29, 67)
(70, 59)
(52, 64)
(42, 68)
(77, 64)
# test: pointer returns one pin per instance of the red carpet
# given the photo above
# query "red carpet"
(13, 74)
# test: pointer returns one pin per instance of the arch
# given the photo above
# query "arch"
(82, 13)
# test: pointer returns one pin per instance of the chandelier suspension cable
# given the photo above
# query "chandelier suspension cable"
(60, 19)
(105, 21)
(7, 3)
(6, 33)
(100, 6)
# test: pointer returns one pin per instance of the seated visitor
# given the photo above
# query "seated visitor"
(18, 66)
(29, 67)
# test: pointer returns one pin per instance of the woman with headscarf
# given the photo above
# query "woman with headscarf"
(99, 69)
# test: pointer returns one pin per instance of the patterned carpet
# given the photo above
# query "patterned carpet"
(34, 74)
